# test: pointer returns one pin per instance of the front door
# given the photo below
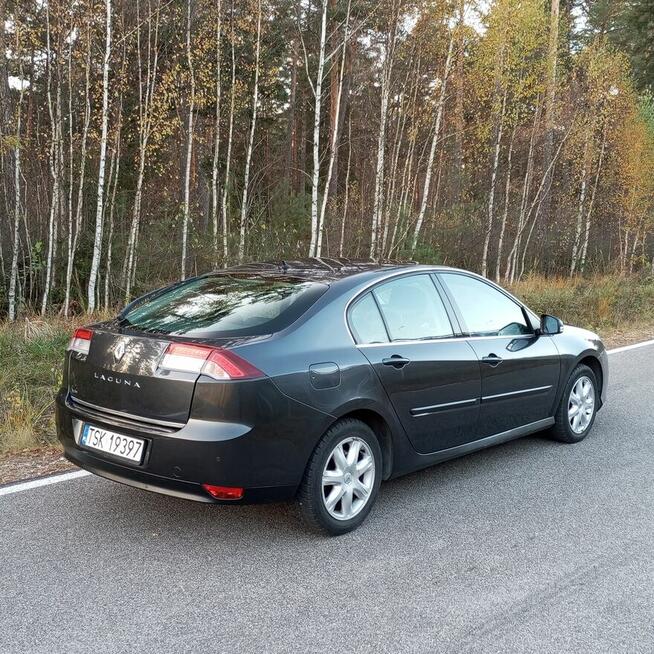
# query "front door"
(431, 377)
(519, 369)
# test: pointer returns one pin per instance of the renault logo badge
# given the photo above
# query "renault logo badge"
(119, 351)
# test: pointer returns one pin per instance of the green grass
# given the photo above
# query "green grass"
(32, 350)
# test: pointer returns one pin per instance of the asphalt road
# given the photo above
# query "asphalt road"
(533, 546)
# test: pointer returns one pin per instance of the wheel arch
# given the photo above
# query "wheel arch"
(380, 426)
(595, 365)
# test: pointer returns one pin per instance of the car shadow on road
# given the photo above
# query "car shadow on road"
(432, 494)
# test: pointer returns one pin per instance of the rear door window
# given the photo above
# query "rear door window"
(413, 309)
(225, 305)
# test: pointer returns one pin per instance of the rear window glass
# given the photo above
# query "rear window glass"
(366, 322)
(225, 305)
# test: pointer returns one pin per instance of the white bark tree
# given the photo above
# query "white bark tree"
(230, 137)
(435, 138)
(147, 88)
(77, 223)
(13, 274)
(186, 216)
(317, 110)
(335, 134)
(346, 200)
(491, 194)
(505, 214)
(250, 146)
(215, 193)
(99, 213)
(54, 112)
(378, 194)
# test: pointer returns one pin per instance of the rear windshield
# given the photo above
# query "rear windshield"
(225, 305)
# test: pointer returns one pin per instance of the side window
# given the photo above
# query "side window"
(366, 322)
(485, 311)
(413, 309)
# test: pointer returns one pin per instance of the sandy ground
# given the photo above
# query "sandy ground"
(32, 463)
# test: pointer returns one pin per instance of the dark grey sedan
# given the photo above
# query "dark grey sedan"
(317, 380)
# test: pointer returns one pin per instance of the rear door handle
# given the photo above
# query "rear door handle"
(492, 360)
(396, 361)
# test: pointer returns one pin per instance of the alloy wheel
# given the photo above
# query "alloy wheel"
(581, 404)
(348, 478)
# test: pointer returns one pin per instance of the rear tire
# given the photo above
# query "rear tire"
(578, 407)
(342, 478)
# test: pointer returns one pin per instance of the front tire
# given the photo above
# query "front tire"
(342, 478)
(578, 407)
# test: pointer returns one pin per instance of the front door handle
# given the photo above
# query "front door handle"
(492, 360)
(396, 361)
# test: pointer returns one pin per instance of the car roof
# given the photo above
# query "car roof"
(322, 269)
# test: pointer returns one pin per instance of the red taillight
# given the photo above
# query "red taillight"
(223, 364)
(223, 492)
(81, 341)
(213, 362)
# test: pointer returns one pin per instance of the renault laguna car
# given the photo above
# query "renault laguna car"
(317, 380)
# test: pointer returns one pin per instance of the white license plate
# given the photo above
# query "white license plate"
(125, 447)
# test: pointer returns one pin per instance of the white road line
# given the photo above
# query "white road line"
(44, 481)
(624, 348)
(55, 479)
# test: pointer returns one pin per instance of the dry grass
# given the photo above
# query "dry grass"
(31, 357)
(32, 350)
(605, 304)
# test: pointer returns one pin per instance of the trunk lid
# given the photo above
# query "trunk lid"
(120, 373)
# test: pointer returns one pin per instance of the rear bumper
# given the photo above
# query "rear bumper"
(266, 460)
(166, 486)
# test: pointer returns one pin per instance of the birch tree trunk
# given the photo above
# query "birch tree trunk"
(317, 110)
(99, 215)
(536, 202)
(335, 131)
(584, 249)
(146, 94)
(216, 137)
(13, 273)
(82, 175)
(189, 143)
(491, 194)
(346, 200)
(459, 118)
(512, 259)
(507, 192)
(378, 196)
(432, 149)
(550, 101)
(253, 127)
(112, 206)
(576, 246)
(54, 111)
(230, 135)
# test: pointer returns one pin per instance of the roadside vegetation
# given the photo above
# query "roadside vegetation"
(32, 349)
(141, 142)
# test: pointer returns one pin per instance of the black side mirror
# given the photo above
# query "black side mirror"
(550, 325)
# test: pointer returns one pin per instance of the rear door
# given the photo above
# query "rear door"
(431, 377)
(519, 369)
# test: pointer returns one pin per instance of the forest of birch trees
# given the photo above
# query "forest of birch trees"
(146, 141)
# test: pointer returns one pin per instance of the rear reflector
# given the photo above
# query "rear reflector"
(81, 341)
(214, 362)
(223, 492)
